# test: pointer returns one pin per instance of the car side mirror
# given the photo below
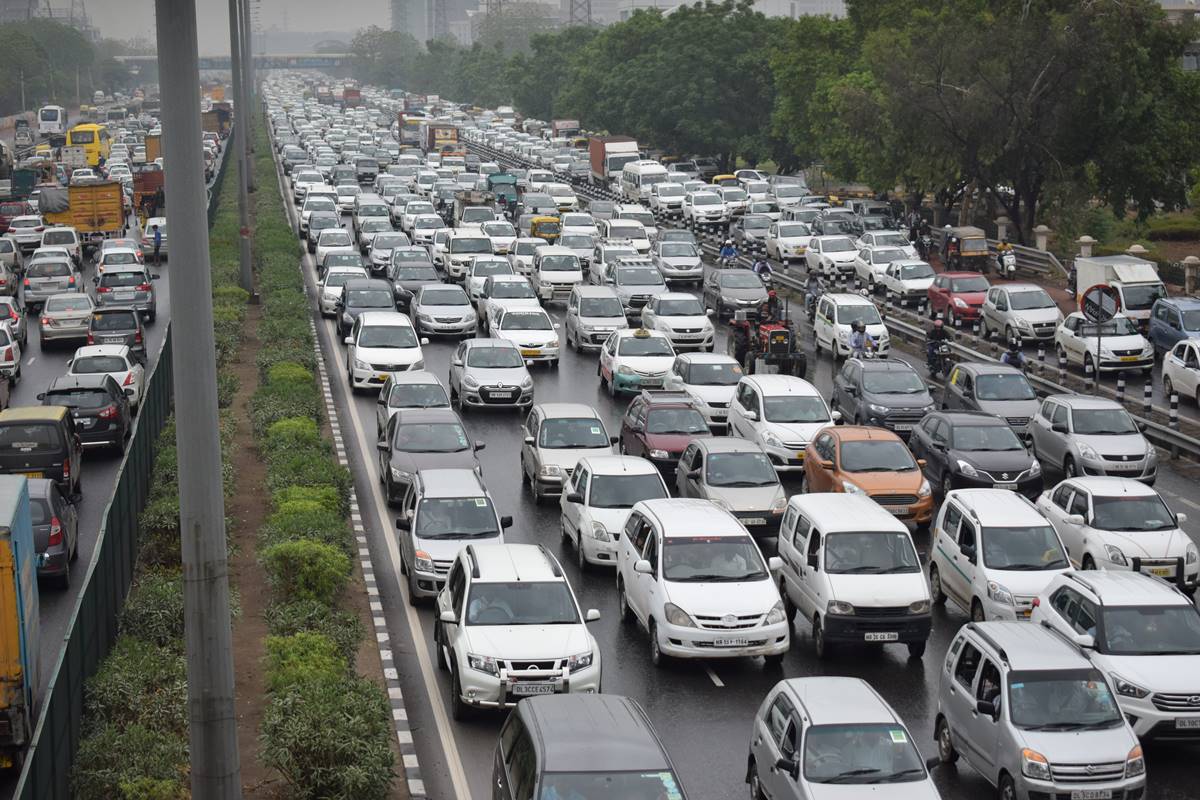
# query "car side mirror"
(1075, 519)
(921, 463)
(448, 618)
(813, 560)
(1180, 517)
(479, 446)
(1141, 426)
(1059, 427)
(774, 564)
(403, 524)
(789, 766)
(614, 439)
(424, 340)
(528, 440)
(155, 276)
(574, 497)
(348, 340)
(752, 416)
(643, 566)
(836, 416)
(41, 396)
(381, 444)
(710, 312)
(557, 326)
(693, 474)
(852, 390)
(987, 707)
(456, 362)
(506, 522)
(592, 615)
(969, 553)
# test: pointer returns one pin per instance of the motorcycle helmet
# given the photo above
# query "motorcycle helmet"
(858, 325)
(771, 295)
(938, 324)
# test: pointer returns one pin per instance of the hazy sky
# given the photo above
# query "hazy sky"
(124, 19)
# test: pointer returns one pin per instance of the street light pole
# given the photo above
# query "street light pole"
(248, 78)
(207, 631)
(240, 134)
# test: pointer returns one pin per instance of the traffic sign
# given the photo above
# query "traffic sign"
(1100, 303)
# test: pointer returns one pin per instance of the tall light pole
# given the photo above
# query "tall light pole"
(207, 631)
(248, 89)
(239, 143)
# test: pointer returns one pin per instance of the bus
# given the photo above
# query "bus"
(52, 119)
(94, 140)
(116, 114)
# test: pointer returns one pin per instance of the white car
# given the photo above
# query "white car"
(522, 252)
(908, 280)
(666, 199)
(888, 239)
(425, 226)
(635, 359)
(504, 291)
(381, 342)
(710, 379)
(346, 197)
(414, 209)
(555, 436)
(1121, 345)
(482, 268)
(835, 314)
(509, 627)
(871, 262)
(334, 240)
(607, 253)
(461, 248)
(788, 241)
(64, 236)
(831, 255)
(682, 317)
(116, 360)
(678, 261)
(704, 207)
(330, 289)
(782, 413)
(1122, 524)
(562, 195)
(630, 232)
(502, 234)
(709, 595)
(1181, 370)
(531, 330)
(596, 502)
(578, 222)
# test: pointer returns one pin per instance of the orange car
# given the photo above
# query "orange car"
(858, 459)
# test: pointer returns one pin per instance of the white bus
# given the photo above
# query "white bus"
(51, 120)
(638, 176)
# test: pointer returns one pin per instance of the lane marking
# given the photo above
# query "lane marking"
(31, 360)
(713, 676)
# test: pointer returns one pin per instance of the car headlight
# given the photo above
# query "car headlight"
(719, 503)
(677, 616)
(527, 382)
(876, 409)
(1151, 451)
(839, 608)
(850, 488)
(779, 505)
(600, 533)
(924, 490)
(483, 664)
(550, 471)
(401, 475)
(1127, 688)
(771, 439)
(960, 303)
(844, 335)
(1135, 763)
(967, 469)
(422, 561)
(1087, 451)
(424, 317)
(1034, 765)
(999, 593)
(918, 607)
(1024, 324)
(775, 615)
(467, 317)
(361, 364)
(929, 409)
(1035, 468)
(470, 382)
(1116, 556)
(1191, 555)
(580, 661)
(659, 454)
(624, 370)
(552, 344)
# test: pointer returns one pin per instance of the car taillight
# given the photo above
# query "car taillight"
(143, 287)
(91, 339)
(66, 468)
(109, 412)
(55, 531)
(128, 379)
(102, 289)
(71, 281)
(8, 353)
(27, 281)
(137, 336)
(45, 320)
(12, 314)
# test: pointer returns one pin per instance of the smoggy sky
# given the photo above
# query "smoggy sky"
(125, 19)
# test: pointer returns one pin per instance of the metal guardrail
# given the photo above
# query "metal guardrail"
(1030, 259)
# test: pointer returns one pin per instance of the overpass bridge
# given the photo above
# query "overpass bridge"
(327, 61)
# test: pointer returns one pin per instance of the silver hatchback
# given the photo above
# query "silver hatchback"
(65, 316)
(49, 277)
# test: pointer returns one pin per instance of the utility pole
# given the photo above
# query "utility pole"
(23, 106)
(241, 123)
(215, 772)
(248, 79)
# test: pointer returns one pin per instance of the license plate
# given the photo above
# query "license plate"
(754, 521)
(113, 339)
(1091, 794)
(902, 427)
(896, 509)
(502, 395)
(381, 376)
(531, 352)
(730, 642)
(650, 382)
(86, 422)
(886, 636)
(124, 295)
(1187, 724)
(533, 688)
(1162, 572)
(1004, 486)
(32, 474)
(1129, 358)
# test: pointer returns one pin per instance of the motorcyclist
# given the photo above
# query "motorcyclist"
(937, 335)
(1013, 355)
(860, 340)
(762, 269)
(728, 253)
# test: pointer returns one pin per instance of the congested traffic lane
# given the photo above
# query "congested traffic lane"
(702, 710)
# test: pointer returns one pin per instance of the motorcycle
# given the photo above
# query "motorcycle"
(938, 360)
(810, 302)
(1006, 264)
(925, 246)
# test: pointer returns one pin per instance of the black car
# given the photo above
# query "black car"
(973, 450)
(362, 294)
(103, 417)
(42, 442)
(408, 278)
(55, 531)
(317, 222)
(888, 394)
(118, 325)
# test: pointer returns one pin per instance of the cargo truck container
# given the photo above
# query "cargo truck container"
(18, 622)
(609, 155)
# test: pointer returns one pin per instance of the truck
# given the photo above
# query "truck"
(564, 127)
(324, 95)
(609, 155)
(503, 187)
(146, 183)
(218, 120)
(18, 622)
(1135, 279)
(153, 147)
(441, 137)
(351, 97)
(95, 210)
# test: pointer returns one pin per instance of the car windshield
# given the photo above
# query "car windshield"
(1191, 320)
(734, 195)
(740, 279)
(705, 200)
(436, 437)
(498, 229)
(893, 381)
(645, 346)
(387, 241)
(861, 754)
(370, 298)
(639, 277)
(577, 242)
(1117, 326)
(58, 237)
(120, 321)
(618, 231)
(416, 274)
(871, 552)
(1140, 297)
(839, 245)
(681, 421)
(494, 358)
(1061, 700)
(342, 260)
(530, 321)
(78, 398)
(794, 229)
(866, 313)
(88, 365)
(471, 245)
(644, 217)
(528, 248)
(524, 603)
(884, 455)
(334, 238)
(655, 784)
(68, 303)
(601, 307)
(509, 290)
(681, 307)
(48, 269)
(119, 258)
(456, 518)
(418, 395)
(795, 408)
(482, 268)
(710, 559)
(622, 491)
(1003, 387)
(1149, 630)
(886, 255)
(985, 437)
(1132, 513)
(678, 250)
(427, 222)
(561, 433)
(321, 222)
(387, 336)
(1026, 548)
(912, 272)
(739, 470)
(973, 284)
(1102, 422)
(445, 297)
(560, 263)
(1029, 300)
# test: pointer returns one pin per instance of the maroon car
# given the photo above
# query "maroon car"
(957, 295)
(658, 425)
(10, 209)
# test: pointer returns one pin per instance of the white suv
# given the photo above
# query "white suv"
(690, 574)
(782, 413)
(1143, 634)
(509, 627)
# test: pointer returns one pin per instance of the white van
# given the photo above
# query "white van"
(850, 569)
(836, 313)
(52, 119)
(627, 230)
(556, 271)
(638, 176)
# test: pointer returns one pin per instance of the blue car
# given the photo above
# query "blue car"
(1173, 319)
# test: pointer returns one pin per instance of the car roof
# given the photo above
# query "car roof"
(680, 516)
(478, 344)
(1109, 486)
(1023, 287)
(781, 384)
(884, 365)
(984, 368)
(728, 444)
(1182, 303)
(367, 283)
(1029, 647)
(509, 563)
(593, 733)
(999, 505)
(861, 433)
(971, 418)
(390, 318)
(566, 410)
(839, 700)
(961, 274)
(102, 350)
(34, 413)
(837, 513)
(617, 465)
(1126, 588)
(90, 380)
(707, 358)
(450, 483)
(1084, 401)
(845, 298)
(415, 416)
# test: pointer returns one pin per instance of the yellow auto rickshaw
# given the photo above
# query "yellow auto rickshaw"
(965, 248)
(548, 228)
(726, 180)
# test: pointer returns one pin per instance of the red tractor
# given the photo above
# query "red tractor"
(765, 344)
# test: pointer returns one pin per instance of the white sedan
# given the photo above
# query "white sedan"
(682, 317)
(1181, 370)
(635, 359)
(116, 360)
(531, 330)
(380, 343)
(871, 262)
(788, 241)
(1120, 345)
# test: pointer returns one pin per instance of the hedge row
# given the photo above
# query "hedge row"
(326, 730)
(135, 727)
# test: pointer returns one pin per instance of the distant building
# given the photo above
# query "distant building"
(623, 9)
(18, 10)
(1179, 11)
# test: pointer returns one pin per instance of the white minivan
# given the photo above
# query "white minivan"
(850, 570)
(638, 176)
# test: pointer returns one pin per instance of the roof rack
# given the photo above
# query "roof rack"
(987, 638)
(474, 559)
(666, 396)
(554, 565)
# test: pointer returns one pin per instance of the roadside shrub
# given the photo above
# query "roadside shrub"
(117, 755)
(151, 789)
(139, 683)
(306, 570)
(289, 372)
(277, 401)
(291, 433)
(330, 739)
(325, 496)
(285, 329)
(154, 609)
(1174, 229)
(302, 657)
(307, 520)
(309, 468)
(344, 629)
(227, 389)
(272, 353)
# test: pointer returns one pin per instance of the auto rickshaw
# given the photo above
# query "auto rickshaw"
(726, 180)
(965, 248)
(548, 228)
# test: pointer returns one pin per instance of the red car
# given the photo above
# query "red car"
(658, 425)
(957, 295)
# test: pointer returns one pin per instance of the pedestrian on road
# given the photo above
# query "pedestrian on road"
(157, 243)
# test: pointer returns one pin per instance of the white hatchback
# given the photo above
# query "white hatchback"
(380, 343)
(596, 502)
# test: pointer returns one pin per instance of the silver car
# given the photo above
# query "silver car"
(330, 290)
(413, 389)
(736, 475)
(635, 282)
(555, 436)
(1092, 436)
(65, 316)
(678, 261)
(47, 278)
(443, 309)
(489, 372)
(129, 286)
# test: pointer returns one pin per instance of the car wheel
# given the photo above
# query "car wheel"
(984, 332)
(945, 745)
(458, 708)
(63, 582)
(1089, 562)
(657, 657)
(916, 649)
(821, 646)
(580, 558)
(1007, 790)
(439, 647)
(1168, 387)
(804, 489)
(977, 614)
(789, 608)
(756, 790)
(937, 594)
(624, 612)
(1069, 468)
(413, 599)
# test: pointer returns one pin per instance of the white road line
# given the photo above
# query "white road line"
(31, 360)
(713, 676)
